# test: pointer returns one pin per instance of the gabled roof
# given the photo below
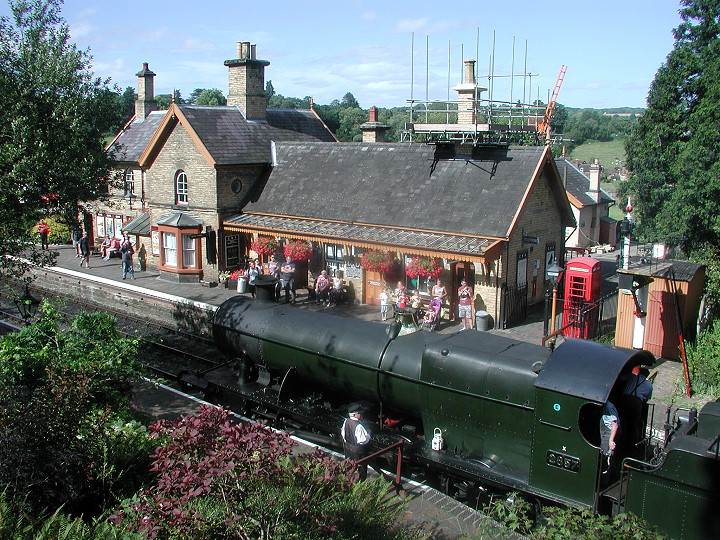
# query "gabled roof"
(132, 140)
(225, 137)
(403, 185)
(578, 185)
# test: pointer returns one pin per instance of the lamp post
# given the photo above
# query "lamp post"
(626, 227)
(554, 275)
(27, 305)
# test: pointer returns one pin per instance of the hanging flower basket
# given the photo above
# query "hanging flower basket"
(423, 267)
(298, 250)
(264, 246)
(377, 261)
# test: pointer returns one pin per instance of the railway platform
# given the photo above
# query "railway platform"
(149, 284)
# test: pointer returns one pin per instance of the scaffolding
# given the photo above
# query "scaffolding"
(472, 119)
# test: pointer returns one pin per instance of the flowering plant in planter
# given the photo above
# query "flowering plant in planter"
(423, 267)
(298, 250)
(223, 276)
(236, 274)
(377, 261)
(264, 246)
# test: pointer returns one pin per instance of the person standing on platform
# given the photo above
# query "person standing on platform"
(465, 305)
(287, 275)
(384, 304)
(84, 247)
(355, 438)
(44, 232)
(76, 236)
(126, 252)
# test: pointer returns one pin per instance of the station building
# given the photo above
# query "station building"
(201, 183)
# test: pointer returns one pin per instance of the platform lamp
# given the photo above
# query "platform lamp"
(27, 305)
(554, 275)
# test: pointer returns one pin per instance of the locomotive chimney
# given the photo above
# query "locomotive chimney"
(265, 288)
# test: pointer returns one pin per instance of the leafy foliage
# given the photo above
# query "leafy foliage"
(704, 361)
(556, 522)
(59, 442)
(53, 120)
(217, 479)
(378, 261)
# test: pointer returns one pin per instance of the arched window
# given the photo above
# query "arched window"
(181, 188)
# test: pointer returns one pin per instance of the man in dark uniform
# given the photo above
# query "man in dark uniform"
(633, 410)
(355, 438)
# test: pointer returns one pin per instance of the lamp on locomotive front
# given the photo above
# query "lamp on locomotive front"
(554, 275)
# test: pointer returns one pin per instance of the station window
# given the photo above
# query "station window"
(129, 183)
(170, 248)
(181, 188)
(188, 247)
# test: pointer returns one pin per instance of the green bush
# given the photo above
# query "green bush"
(704, 362)
(517, 515)
(66, 437)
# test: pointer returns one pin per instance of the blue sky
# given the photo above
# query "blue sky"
(612, 48)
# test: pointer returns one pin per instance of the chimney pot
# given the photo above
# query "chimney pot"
(373, 114)
(470, 71)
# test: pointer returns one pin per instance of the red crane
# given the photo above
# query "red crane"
(544, 126)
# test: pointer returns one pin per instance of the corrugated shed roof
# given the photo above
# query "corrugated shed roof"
(577, 184)
(400, 185)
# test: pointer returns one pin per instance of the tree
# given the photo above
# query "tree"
(210, 97)
(674, 151)
(349, 102)
(54, 117)
(164, 100)
(269, 90)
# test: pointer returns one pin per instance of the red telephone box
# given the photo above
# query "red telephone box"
(583, 278)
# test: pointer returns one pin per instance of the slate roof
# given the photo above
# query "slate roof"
(368, 235)
(226, 134)
(140, 225)
(131, 142)
(400, 185)
(577, 184)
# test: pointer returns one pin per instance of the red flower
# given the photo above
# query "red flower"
(377, 261)
(423, 267)
(298, 250)
(264, 246)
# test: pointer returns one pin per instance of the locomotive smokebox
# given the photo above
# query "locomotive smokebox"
(265, 288)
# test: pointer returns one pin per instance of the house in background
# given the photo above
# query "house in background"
(590, 206)
(188, 168)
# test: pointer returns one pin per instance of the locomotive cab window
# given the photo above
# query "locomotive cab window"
(589, 423)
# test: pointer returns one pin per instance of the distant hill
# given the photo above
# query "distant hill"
(617, 110)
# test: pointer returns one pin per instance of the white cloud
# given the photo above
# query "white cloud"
(411, 25)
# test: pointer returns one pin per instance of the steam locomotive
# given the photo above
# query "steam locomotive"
(512, 415)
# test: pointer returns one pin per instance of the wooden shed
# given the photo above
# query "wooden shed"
(646, 305)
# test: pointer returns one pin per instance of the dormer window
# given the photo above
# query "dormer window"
(181, 188)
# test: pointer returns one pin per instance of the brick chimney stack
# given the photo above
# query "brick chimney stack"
(373, 131)
(145, 102)
(468, 95)
(246, 79)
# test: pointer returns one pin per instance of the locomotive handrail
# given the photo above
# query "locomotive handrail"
(399, 445)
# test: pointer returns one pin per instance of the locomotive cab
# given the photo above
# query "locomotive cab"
(578, 378)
